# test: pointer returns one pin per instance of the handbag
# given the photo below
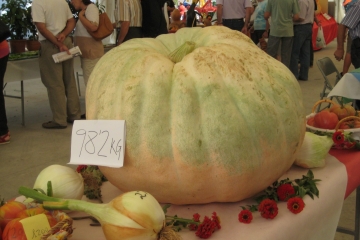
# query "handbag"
(320, 40)
(4, 31)
(105, 27)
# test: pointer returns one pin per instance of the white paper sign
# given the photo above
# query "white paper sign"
(98, 142)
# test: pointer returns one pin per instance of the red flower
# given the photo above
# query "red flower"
(194, 226)
(338, 137)
(284, 191)
(295, 205)
(216, 219)
(268, 208)
(80, 168)
(196, 217)
(206, 228)
(245, 216)
(349, 145)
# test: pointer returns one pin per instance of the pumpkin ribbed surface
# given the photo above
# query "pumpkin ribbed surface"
(218, 126)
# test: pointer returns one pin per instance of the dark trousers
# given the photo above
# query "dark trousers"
(355, 59)
(3, 120)
(134, 32)
(257, 35)
(234, 24)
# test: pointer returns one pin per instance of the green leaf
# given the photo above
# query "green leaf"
(165, 207)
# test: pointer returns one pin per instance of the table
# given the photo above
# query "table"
(348, 86)
(329, 28)
(28, 69)
(318, 220)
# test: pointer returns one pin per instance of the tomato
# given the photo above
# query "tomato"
(345, 125)
(9, 211)
(326, 120)
(14, 229)
(310, 121)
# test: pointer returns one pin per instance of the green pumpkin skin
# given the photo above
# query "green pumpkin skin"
(219, 126)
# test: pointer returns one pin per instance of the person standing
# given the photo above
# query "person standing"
(130, 18)
(283, 13)
(54, 22)
(352, 22)
(4, 130)
(302, 40)
(92, 50)
(231, 14)
(259, 21)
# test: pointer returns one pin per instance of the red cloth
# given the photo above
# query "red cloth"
(329, 28)
(351, 160)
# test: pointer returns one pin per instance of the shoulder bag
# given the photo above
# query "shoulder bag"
(4, 31)
(105, 27)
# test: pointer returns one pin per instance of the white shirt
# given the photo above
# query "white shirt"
(91, 14)
(54, 14)
(234, 9)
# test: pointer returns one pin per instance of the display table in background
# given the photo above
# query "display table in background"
(318, 220)
(329, 27)
(28, 69)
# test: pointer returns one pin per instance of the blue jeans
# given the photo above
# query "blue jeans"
(301, 51)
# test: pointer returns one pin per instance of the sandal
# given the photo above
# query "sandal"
(5, 138)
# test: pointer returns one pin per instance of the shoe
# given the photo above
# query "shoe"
(5, 138)
(83, 116)
(52, 125)
(71, 121)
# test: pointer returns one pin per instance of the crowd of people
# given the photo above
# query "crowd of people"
(287, 24)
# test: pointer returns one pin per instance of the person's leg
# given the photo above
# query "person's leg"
(286, 47)
(3, 119)
(305, 53)
(87, 66)
(295, 53)
(355, 59)
(68, 77)
(273, 46)
(51, 76)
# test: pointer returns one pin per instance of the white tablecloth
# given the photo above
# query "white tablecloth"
(318, 220)
(348, 86)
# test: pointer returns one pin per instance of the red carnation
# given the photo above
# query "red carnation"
(215, 218)
(338, 137)
(194, 226)
(268, 208)
(206, 228)
(284, 191)
(245, 216)
(295, 205)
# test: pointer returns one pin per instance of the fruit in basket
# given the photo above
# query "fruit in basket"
(199, 129)
(343, 110)
(9, 211)
(311, 121)
(14, 229)
(326, 120)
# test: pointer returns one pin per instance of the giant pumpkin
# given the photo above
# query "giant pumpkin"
(220, 125)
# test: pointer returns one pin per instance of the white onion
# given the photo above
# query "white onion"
(66, 182)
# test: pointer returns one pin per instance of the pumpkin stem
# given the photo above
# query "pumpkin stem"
(178, 54)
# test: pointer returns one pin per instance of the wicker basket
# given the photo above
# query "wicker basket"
(355, 131)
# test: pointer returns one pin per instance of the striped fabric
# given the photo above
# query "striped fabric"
(352, 20)
(130, 10)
